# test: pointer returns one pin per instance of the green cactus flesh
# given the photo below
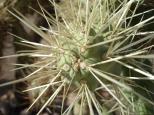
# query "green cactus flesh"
(92, 47)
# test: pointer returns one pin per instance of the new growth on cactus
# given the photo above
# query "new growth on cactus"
(90, 50)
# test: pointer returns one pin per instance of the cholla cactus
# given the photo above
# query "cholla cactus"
(90, 50)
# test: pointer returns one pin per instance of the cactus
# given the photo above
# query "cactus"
(90, 50)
